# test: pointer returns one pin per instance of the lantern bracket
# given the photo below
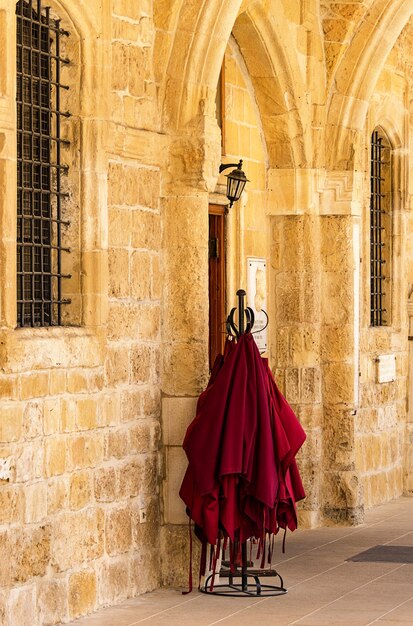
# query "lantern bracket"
(225, 166)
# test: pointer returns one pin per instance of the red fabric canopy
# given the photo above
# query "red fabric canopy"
(242, 480)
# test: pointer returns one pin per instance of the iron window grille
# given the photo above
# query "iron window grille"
(377, 228)
(39, 167)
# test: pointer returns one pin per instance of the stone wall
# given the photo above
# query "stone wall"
(80, 406)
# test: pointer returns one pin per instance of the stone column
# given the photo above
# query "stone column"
(295, 316)
(342, 498)
(192, 171)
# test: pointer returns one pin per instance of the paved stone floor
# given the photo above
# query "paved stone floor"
(323, 588)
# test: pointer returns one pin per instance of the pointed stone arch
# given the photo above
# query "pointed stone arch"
(357, 75)
(266, 44)
(201, 36)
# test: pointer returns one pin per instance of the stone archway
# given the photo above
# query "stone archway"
(269, 51)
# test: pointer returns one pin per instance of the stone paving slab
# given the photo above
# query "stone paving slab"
(324, 588)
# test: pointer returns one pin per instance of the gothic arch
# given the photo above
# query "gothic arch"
(264, 38)
(357, 75)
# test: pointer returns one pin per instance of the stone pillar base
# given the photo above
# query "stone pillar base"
(175, 556)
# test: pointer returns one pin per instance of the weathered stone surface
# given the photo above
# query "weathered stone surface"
(80, 491)
(35, 496)
(184, 369)
(52, 601)
(3, 608)
(105, 484)
(119, 273)
(11, 504)
(118, 531)
(82, 593)
(140, 275)
(87, 413)
(117, 366)
(11, 420)
(85, 451)
(8, 388)
(145, 534)
(141, 364)
(33, 548)
(57, 490)
(77, 380)
(5, 556)
(177, 413)
(174, 565)
(32, 420)
(57, 383)
(144, 437)
(131, 401)
(22, 606)
(110, 411)
(117, 444)
(146, 230)
(34, 385)
(145, 572)
(51, 416)
(130, 476)
(77, 538)
(338, 383)
(113, 581)
(134, 321)
(55, 456)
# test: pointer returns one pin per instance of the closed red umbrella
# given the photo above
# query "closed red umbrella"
(242, 480)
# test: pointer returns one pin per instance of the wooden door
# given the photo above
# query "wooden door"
(217, 313)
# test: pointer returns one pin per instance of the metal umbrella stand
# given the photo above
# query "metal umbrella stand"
(242, 480)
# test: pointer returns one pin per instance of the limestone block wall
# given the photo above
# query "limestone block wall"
(80, 405)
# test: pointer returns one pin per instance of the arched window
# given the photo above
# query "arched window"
(380, 229)
(41, 171)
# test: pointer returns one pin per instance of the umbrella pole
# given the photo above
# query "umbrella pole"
(244, 575)
(241, 329)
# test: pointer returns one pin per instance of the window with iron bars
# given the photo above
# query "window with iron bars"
(380, 229)
(40, 171)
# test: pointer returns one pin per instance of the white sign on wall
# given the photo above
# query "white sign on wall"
(257, 298)
(386, 368)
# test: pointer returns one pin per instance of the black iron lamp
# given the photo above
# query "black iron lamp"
(235, 181)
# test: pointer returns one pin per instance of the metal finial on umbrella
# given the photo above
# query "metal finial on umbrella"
(233, 329)
(244, 313)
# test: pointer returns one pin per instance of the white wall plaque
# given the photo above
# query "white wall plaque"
(257, 298)
(386, 368)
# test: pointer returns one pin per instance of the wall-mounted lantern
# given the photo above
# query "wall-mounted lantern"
(235, 181)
